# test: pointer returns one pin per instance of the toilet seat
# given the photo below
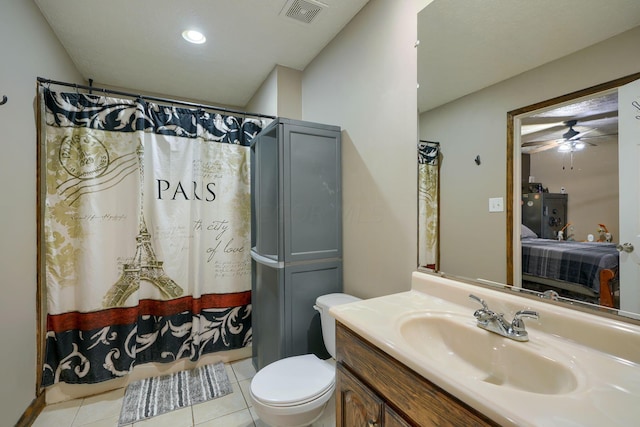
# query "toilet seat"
(293, 381)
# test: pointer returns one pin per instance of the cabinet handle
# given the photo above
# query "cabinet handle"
(372, 423)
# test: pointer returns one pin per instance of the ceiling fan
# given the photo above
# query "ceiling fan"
(570, 140)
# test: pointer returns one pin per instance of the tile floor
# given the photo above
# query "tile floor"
(232, 410)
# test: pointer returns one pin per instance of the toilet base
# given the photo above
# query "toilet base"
(292, 416)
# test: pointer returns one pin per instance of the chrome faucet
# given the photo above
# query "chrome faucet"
(495, 322)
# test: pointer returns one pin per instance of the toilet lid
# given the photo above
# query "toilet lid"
(293, 380)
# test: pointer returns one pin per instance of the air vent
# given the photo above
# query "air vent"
(302, 10)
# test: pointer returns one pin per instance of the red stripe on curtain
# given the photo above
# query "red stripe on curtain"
(126, 315)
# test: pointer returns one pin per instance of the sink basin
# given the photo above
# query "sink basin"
(453, 343)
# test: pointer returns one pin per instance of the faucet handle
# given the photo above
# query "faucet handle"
(480, 300)
(482, 314)
(526, 313)
(517, 324)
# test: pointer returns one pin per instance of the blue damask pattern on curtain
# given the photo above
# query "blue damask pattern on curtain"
(146, 234)
(82, 110)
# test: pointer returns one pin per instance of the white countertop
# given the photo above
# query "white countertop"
(603, 354)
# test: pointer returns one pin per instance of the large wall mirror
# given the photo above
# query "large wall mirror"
(548, 135)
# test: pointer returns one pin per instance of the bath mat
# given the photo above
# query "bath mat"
(158, 395)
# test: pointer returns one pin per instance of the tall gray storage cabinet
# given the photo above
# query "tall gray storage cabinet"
(296, 235)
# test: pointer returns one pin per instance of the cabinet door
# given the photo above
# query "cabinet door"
(303, 284)
(392, 419)
(356, 405)
(313, 197)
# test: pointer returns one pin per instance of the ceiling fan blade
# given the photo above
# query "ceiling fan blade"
(552, 125)
(598, 116)
(538, 149)
(600, 136)
(533, 130)
(550, 142)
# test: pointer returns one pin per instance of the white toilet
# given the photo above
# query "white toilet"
(293, 392)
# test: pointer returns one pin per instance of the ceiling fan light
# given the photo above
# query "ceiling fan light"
(579, 145)
(193, 36)
(564, 148)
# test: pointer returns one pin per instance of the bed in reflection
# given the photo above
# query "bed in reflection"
(589, 269)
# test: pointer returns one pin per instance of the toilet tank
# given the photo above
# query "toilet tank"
(323, 304)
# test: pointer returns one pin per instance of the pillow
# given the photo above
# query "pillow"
(526, 232)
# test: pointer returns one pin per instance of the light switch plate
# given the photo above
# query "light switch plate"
(496, 204)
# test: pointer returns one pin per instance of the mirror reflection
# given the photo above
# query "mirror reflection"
(569, 200)
(564, 149)
(577, 220)
(428, 197)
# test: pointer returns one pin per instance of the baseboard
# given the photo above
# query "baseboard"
(33, 410)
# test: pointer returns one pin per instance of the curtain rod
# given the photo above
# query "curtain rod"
(91, 88)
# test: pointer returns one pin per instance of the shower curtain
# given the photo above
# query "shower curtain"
(428, 198)
(146, 230)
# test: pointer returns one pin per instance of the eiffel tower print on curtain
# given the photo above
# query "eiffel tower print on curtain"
(144, 266)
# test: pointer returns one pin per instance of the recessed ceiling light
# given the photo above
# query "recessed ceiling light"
(193, 36)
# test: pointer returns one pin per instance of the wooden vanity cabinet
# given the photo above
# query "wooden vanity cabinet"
(374, 389)
(358, 405)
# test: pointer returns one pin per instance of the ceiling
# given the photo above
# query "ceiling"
(138, 44)
(465, 45)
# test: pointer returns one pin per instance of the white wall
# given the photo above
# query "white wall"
(265, 100)
(279, 94)
(365, 82)
(473, 241)
(289, 92)
(29, 49)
